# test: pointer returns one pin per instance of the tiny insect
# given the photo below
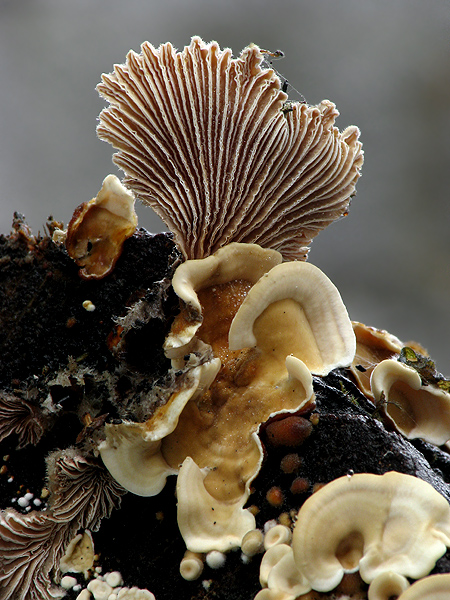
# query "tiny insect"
(270, 55)
(276, 54)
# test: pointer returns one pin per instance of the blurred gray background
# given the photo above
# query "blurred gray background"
(385, 63)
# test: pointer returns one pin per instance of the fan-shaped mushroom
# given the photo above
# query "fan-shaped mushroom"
(373, 523)
(238, 266)
(415, 409)
(203, 140)
(31, 546)
(21, 417)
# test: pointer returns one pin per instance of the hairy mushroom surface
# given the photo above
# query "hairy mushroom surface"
(416, 409)
(21, 417)
(203, 139)
(374, 523)
(98, 229)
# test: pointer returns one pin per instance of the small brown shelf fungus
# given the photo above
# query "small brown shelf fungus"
(212, 372)
(98, 229)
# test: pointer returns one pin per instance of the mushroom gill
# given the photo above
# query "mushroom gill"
(22, 418)
(31, 546)
(203, 138)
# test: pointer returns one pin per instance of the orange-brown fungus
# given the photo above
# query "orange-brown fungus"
(290, 463)
(275, 496)
(98, 229)
(289, 431)
(300, 485)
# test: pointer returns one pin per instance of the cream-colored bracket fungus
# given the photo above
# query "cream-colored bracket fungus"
(415, 409)
(374, 523)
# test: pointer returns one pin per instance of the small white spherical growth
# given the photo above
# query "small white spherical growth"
(191, 567)
(215, 559)
(89, 306)
(99, 589)
(269, 524)
(68, 582)
(23, 502)
(280, 534)
(114, 579)
(84, 595)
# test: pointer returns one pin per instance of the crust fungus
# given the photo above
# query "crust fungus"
(252, 542)
(191, 566)
(203, 139)
(279, 573)
(237, 267)
(280, 534)
(374, 523)
(415, 409)
(372, 346)
(98, 229)
(434, 587)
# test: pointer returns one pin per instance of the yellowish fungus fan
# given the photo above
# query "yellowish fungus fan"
(416, 409)
(374, 523)
(319, 332)
(203, 139)
(98, 229)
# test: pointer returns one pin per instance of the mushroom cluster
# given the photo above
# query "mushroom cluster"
(244, 180)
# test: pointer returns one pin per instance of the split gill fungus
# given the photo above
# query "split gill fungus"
(244, 180)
